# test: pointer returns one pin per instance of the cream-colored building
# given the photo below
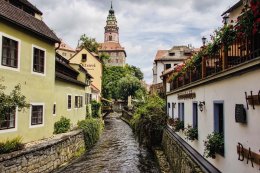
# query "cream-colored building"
(90, 61)
(65, 50)
(28, 58)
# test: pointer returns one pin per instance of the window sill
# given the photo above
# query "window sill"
(39, 74)
(10, 68)
(8, 130)
(36, 126)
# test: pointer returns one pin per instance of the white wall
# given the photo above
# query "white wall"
(231, 91)
(160, 68)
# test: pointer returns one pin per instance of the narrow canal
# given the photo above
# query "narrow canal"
(117, 151)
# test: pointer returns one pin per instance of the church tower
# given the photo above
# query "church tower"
(111, 28)
(111, 45)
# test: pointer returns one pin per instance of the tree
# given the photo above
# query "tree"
(149, 120)
(88, 43)
(104, 57)
(135, 71)
(114, 78)
(11, 101)
(127, 86)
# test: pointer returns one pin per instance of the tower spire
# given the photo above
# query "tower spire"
(111, 5)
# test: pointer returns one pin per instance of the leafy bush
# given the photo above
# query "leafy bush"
(92, 129)
(178, 125)
(11, 145)
(214, 144)
(87, 112)
(191, 133)
(149, 121)
(62, 126)
(95, 107)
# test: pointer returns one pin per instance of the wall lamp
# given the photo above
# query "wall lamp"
(201, 105)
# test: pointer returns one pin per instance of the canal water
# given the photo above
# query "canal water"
(117, 151)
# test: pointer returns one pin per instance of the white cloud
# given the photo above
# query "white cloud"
(145, 25)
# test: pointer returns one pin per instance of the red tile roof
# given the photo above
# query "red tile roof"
(111, 46)
(64, 46)
(160, 54)
(94, 88)
(17, 16)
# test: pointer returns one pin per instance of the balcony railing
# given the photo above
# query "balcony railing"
(241, 51)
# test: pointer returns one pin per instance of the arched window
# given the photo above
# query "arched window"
(110, 38)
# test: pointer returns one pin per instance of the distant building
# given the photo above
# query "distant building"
(111, 45)
(90, 61)
(65, 50)
(165, 60)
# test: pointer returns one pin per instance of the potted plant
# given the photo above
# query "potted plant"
(171, 121)
(178, 125)
(214, 144)
(191, 133)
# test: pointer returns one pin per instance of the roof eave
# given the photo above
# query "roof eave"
(24, 27)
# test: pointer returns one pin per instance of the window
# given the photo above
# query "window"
(219, 120)
(195, 115)
(36, 114)
(54, 109)
(9, 52)
(167, 66)
(116, 60)
(8, 121)
(84, 57)
(64, 54)
(87, 98)
(69, 101)
(38, 60)
(173, 106)
(168, 110)
(172, 54)
(110, 38)
(78, 101)
(181, 111)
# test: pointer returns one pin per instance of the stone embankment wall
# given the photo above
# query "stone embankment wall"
(179, 160)
(46, 156)
(126, 116)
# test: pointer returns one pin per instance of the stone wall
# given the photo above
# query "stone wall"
(179, 160)
(46, 156)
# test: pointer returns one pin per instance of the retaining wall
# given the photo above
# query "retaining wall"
(46, 156)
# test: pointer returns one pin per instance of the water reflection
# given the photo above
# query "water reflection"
(116, 151)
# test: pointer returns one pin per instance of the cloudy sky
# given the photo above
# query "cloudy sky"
(145, 25)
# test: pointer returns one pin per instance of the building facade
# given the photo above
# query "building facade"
(220, 94)
(28, 58)
(65, 50)
(90, 61)
(111, 45)
(166, 60)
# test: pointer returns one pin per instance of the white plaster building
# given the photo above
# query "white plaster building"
(221, 95)
(166, 59)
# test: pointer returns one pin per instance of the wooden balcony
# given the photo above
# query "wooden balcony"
(241, 51)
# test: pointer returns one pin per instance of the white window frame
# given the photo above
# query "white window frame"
(16, 124)
(36, 73)
(19, 52)
(70, 103)
(43, 115)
